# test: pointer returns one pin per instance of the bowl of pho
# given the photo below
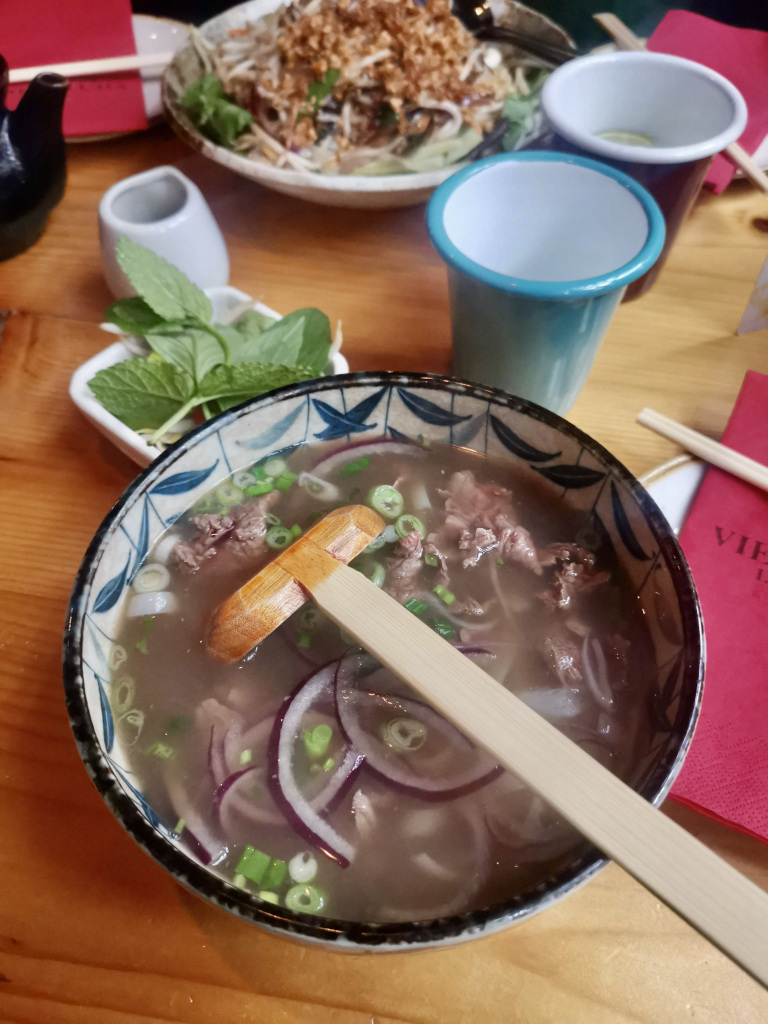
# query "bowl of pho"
(367, 104)
(305, 788)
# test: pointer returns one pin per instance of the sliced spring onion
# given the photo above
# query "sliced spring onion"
(223, 511)
(319, 488)
(253, 864)
(444, 594)
(375, 572)
(404, 734)
(141, 645)
(499, 561)
(179, 827)
(354, 467)
(296, 530)
(431, 560)
(416, 606)
(310, 617)
(275, 874)
(409, 524)
(177, 724)
(122, 695)
(317, 740)
(276, 466)
(329, 764)
(306, 899)
(154, 603)
(259, 473)
(285, 481)
(387, 501)
(229, 493)
(245, 757)
(302, 867)
(272, 520)
(161, 750)
(162, 550)
(278, 537)
(151, 577)
(376, 544)
(243, 479)
(269, 897)
(389, 534)
(240, 881)
(305, 640)
(445, 629)
(264, 487)
(117, 656)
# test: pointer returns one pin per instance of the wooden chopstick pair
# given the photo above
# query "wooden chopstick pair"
(101, 66)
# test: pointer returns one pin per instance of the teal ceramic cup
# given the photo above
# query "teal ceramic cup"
(539, 248)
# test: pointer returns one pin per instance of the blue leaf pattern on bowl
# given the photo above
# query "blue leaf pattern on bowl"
(517, 445)
(272, 435)
(464, 435)
(571, 477)
(350, 422)
(142, 544)
(429, 412)
(107, 722)
(625, 530)
(111, 591)
(180, 483)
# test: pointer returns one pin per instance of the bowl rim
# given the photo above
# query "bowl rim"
(331, 932)
(585, 287)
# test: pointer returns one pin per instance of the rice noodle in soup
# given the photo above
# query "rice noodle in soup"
(310, 776)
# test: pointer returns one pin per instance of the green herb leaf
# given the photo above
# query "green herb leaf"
(191, 349)
(387, 116)
(318, 92)
(303, 338)
(233, 384)
(215, 115)
(143, 393)
(251, 323)
(165, 289)
(133, 316)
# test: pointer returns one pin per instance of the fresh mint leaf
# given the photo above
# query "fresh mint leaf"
(233, 384)
(191, 349)
(251, 323)
(165, 289)
(210, 111)
(143, 393)
(133, 316)
(301, 338)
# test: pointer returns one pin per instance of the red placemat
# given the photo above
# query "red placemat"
(36, 32)
(725, 540)
(739, 54)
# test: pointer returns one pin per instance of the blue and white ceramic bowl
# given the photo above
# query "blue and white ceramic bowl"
(341, 408)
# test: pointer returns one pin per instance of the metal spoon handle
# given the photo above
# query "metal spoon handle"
(549, 52)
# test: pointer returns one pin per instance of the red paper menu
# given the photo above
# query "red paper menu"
(725, 540)
(36, 32)
(739, 54)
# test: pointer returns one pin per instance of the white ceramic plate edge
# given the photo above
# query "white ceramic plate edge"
(128, 441)
(673, 486)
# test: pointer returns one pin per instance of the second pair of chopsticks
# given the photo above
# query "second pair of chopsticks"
(102, 66)
(716, 454)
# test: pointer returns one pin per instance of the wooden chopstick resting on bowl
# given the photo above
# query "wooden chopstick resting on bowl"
(626, 39)
(101, 66)
(717, 454)
(711, 895)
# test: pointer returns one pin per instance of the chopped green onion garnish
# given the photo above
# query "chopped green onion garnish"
(240, 881)
(228, 494)
(354, 467)
(409, 524)
(141, 645)
(431, 560)
(416, 606)
(259, 472)
(285, 481)
(296, 530)
(305, 898)
(261, 488)
(246, 756)
(276, 466)
(310, 618)
(404, 734)
(275, 874)
(305, 640)
(444, 594)
(445, 629)
(499, 561)
(179, 723)
(223, 511)
(376, 574)
(317, 740)
(271, 519)
(253, 864)
(269, 897)
(387, 501)
(278, 537)
(149, 624)
(161, 750)
(179, 827)
(376, 544)
(329, 764)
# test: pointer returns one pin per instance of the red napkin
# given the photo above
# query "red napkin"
(725, 540)
(739, 54)
(36, 32)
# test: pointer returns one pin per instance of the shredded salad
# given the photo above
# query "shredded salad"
(362, 87)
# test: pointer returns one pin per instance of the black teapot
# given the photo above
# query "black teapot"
(32, 160)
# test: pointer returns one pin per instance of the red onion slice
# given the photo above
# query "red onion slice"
(595, 670)
(303, 814)
(370, 704)
(382, 446)
(203, 842)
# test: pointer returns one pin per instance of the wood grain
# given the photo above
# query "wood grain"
(91, 930)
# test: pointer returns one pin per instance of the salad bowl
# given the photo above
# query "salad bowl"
(377, 405)
(348, 190)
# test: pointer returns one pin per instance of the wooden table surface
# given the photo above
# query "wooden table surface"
(91, 930)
